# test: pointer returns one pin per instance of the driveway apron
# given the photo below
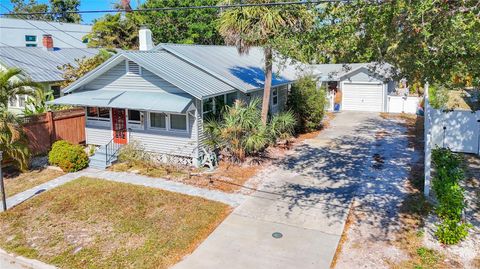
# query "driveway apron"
(303, 199)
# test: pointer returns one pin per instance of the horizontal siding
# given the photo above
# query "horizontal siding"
(167, 142)
(282, 98)
(97, 135)
(117, 79)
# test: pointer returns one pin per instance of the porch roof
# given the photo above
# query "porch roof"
(138, 100)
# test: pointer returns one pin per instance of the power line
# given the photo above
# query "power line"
(273, 4)
(46, 31)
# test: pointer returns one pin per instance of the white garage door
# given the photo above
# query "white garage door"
(362, 97)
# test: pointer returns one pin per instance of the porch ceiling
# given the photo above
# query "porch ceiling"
(138, 100)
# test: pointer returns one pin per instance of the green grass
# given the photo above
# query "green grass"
(93, 223)
(27, 180)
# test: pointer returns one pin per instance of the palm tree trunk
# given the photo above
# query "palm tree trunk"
(267, 84)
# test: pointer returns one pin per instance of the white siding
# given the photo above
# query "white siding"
(169, 142)
(98, 135)
(117, 78)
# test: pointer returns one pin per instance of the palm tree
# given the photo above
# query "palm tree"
(13, 142)
(11, 84)
(262, 26)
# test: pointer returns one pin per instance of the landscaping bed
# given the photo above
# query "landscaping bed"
(93, 223)
(17, 182)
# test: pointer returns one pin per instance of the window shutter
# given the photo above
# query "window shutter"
(133, 68)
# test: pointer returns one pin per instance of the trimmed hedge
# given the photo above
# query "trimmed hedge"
(450, 196)
(69, 157)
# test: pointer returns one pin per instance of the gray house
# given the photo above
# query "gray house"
(362, 86)
(161, 96)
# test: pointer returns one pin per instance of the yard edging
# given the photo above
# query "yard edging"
(23, 262)
(231, 199)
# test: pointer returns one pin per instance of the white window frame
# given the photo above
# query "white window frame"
(274, 95)
(178, 130)
(149, 123)
(127, 67)
(99, 118)
(97, 121)
(134, 124)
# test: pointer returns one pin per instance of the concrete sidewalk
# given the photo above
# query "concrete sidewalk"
(305, 197)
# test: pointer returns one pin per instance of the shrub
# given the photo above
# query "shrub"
(134, 153)
(240, 132)
(438, 96)
(450, 196)
(69, 157)
(307, 102)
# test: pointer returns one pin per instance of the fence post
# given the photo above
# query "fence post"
(428, 145)
(51, 126)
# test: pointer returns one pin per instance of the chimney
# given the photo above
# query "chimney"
(47, 42)
(145, 39)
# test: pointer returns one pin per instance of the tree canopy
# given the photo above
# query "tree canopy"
(427, 40)
(57, 6)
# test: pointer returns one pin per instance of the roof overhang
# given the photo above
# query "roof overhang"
(137, 100)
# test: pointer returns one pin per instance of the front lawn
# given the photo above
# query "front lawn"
(94, 223)
(19, 182)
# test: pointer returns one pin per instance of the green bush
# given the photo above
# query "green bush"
(438, 96)
(69, 157)
(240, 132)
(449, 193)
(308, 103)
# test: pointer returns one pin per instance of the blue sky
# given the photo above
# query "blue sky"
(84, 5)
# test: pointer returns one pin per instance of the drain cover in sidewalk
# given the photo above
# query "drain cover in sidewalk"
(277, 235)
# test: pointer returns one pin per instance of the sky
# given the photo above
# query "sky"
(84, 5)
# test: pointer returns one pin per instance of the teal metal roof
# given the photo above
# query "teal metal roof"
(243, 71)
(138, 100)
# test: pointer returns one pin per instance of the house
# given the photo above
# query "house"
(160, 96)
(28, 33)
(362, 86)
(40, 64)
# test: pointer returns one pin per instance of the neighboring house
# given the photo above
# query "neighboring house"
(40, 65)
(161, 96)
(28, 33)
(363, 86)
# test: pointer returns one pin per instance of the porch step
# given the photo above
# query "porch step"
(99, 159)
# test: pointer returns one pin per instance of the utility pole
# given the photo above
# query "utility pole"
(2, 186)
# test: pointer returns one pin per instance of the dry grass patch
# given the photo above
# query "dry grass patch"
(93, 223)
(18, 182)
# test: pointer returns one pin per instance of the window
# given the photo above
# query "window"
(275, 97)
(219, 104)
(13, 101)
(21, 100)
(56, 91)
(207, 106)
(31, 38)
(158, 120)
(31, 45)
(231, 98)
(134, 115)
(98, 113)
(133, 68)
(178, 122)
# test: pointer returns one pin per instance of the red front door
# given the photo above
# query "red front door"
(119, 122)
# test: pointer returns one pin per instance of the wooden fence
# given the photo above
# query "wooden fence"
(43, 130)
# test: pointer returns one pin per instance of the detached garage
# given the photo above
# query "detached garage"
(359, 86)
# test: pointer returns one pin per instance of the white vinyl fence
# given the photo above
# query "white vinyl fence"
(458, 130)
(403, 104)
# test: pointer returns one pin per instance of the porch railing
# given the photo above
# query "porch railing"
(111, 150)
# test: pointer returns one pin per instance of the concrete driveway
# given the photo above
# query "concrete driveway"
(305, 197)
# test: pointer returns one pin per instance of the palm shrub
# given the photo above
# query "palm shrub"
(307, 102)
(240, 132)
(13, 142)
(11, 85)
(36, 103)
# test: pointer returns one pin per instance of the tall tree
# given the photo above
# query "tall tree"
(12, 82)
(427, 40)
(263, 26)
(22, 6)
(73, 72)
(114, 31)
(61, 6)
